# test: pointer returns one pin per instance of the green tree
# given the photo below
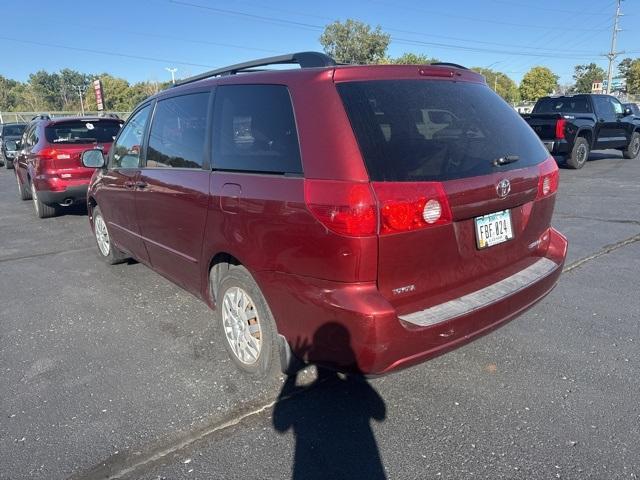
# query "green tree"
(409, 58)
(501, 84)
(7, 95)
(624, 65)
(633, 77)
(118, 94)
(354, 42)
(538, 82)
(586, 75)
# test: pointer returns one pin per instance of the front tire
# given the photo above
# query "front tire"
(42, 209)
(246, 324)
(106, 249)
(633, 149)
(8, 164)
(579, 153)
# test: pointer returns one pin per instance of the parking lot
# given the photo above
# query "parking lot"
(114, 372)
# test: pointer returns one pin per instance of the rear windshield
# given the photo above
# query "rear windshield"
(12, 130)
(77, 131)
(563, 105)
(421, 130)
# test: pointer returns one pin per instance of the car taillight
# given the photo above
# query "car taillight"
(549, 178)
(408, 206)
(560, 124)
(47, 154)
(348, 208)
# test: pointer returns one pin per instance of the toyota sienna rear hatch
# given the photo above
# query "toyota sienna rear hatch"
(464, 188)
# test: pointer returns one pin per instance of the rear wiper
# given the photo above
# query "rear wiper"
(506, 159)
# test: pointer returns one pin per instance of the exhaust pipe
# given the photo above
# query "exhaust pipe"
(67, 202)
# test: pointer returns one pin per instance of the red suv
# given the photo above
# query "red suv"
(409, 205)
(48, 166)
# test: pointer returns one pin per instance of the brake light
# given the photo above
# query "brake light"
(560, 124)
(46, 154)
(408, 206)
(548, 179)
(347, 208)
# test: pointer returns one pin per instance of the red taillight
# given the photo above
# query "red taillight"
(549, 178)
(408, 206)
(348, 208)
(560, 124)
(47, 154)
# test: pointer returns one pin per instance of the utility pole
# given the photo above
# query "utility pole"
(80, 92)
(173, 74)
(612, 53)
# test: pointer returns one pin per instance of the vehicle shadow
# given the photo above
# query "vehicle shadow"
(593, 157)
(331, 418)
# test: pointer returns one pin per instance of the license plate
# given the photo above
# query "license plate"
(493, 229)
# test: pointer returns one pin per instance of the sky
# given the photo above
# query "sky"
(138, 40)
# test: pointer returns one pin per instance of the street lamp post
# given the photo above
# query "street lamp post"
(173, 74)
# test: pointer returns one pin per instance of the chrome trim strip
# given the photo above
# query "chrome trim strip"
(483, 297)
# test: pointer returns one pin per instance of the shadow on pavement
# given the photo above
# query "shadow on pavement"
(331, 419)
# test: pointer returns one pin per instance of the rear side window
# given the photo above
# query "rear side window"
(254, 130)
(178, 130)
(563, 105)
(83, 131)
(422, 130)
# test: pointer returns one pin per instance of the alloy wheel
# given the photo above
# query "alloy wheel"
(102, 235)
(242, 325)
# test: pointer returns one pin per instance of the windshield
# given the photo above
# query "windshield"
(79, 131)
(418, 130)
(12, 130)
(563, 105)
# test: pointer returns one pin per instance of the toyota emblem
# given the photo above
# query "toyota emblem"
(503, 188)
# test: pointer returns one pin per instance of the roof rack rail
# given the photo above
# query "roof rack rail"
(41, 117)
(447, 64)
(304, 59)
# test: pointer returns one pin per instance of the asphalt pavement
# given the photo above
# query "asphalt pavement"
(114, 372)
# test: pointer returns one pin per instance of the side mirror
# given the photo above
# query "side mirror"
(18, 144)
(627, 112)
(93, 158)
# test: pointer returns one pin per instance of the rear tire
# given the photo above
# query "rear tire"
(633, 149)
(42, 209)
(246, 325)
(8, 164)
(106, 249)
(579, 153)
(23, 193)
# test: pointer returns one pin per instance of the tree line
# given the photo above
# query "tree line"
(61, 91)
(350, 41)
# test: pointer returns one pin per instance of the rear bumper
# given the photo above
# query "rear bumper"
(557, 147)
(71, 194)
(353, 327)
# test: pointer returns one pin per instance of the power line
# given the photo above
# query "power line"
(104, 52)
(536, 7)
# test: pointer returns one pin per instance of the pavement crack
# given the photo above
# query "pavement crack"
(43, 254)
(596, 219)
(601, 252)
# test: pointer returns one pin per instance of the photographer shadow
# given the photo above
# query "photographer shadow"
(331, 417)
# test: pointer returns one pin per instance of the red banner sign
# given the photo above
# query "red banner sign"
(97, 87)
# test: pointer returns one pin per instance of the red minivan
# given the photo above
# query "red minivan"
(48, 166)
(408, 205)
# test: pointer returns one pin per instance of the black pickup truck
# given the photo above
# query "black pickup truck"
(573, 125)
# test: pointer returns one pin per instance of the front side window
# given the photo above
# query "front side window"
(126, 150)
(255, 130)
(178, 131)
(605, 108)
